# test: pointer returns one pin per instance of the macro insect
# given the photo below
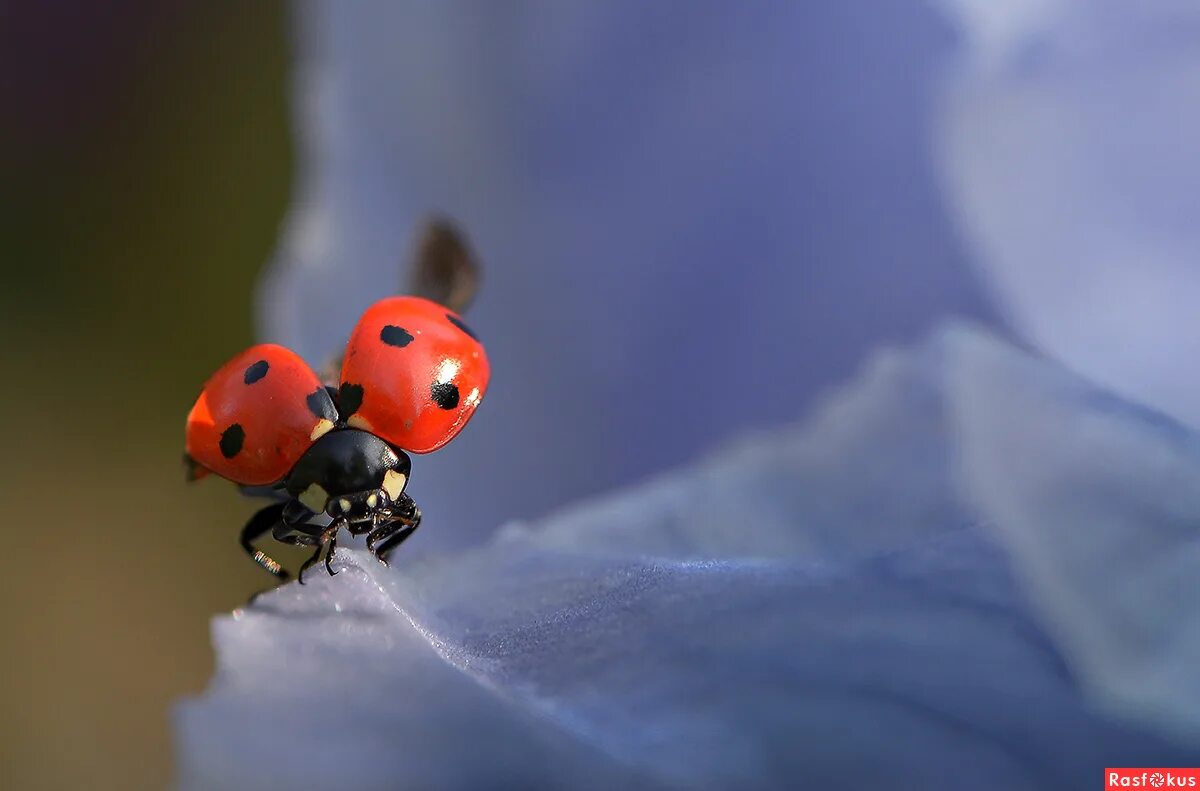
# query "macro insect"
(334, 453)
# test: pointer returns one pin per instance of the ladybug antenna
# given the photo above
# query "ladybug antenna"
(445, 269)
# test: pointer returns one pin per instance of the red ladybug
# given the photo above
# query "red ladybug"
(411, 377)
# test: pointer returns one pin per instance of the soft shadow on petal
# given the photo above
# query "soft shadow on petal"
(1098, 502)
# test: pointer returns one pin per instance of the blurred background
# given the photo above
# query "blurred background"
(693, 224)
(146, 168)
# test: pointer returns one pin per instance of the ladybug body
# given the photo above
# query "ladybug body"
(336, 457)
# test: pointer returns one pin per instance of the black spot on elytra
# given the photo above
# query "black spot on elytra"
(349, 399)
(321, 404)
(445, 394)
(457, 322)
(256, 372)
(232, 439)
(395, 336)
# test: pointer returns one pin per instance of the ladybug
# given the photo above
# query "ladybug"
(334, 453)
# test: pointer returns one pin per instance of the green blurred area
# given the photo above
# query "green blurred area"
(146, 166)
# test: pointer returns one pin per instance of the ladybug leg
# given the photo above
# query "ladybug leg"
(385, 533)
(384, 539)
(296, 513)
(260, 523)
(379, 533)
(393, 540)
(329, 555)
(327, 537)
(297, 528)
(308, 564)
(407, 511)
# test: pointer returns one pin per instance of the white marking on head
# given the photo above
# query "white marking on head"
(344, 504)
(372, 501)
(358, 421)
(394, 483)
(322, 428)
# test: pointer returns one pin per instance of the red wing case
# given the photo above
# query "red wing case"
(413, 374)
(257, 415)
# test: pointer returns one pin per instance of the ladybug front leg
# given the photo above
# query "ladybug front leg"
(328, 536)
(264, 520)
(298, 528)
(387, 537)
(406, 518)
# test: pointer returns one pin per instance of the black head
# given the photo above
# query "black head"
(349, 474)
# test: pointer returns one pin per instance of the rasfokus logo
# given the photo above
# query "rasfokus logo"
(1143, 777)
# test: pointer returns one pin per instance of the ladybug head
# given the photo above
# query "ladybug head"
(349, 474)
